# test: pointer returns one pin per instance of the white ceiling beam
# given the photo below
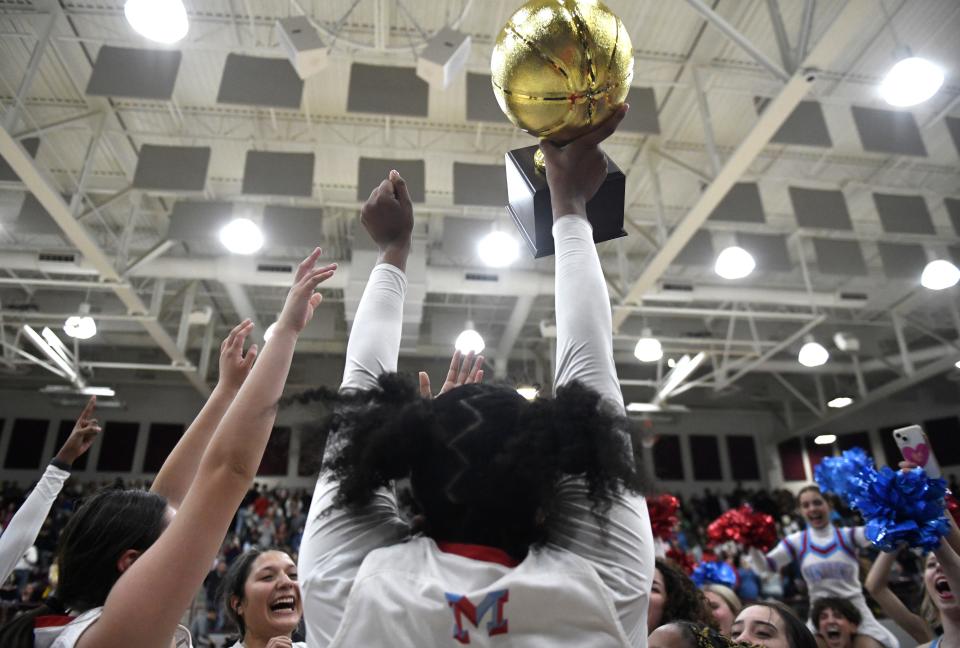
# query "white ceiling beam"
(776, 113)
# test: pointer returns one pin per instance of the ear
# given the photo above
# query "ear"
(236, 606)
(126, 559)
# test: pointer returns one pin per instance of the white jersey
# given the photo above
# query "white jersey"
(68, 635)
(828, 562)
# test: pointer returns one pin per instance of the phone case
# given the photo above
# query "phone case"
(915, 447)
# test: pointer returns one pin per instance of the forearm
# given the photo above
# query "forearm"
(22, 531)
(180, 467)
(374, 342)
(584, 320)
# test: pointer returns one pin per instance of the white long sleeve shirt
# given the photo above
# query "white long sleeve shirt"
(363, 585)
(22, 531)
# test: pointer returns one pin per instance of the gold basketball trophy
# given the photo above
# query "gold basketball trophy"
(560, 68)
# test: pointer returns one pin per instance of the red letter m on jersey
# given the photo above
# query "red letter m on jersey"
(493, 603)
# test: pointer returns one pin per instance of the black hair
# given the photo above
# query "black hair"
(841, 606)
(108, 524)
(484, 463)
(797, 633)
(697, 635)
(233, 584)
(683, 601)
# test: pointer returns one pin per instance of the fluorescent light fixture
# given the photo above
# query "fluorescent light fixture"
(51, 338)
(734, 263)
(53, 355)
(812, 353)
(681, 372)
(643, 407)
(825, 439)
(957, 364)
(939, 275)
(469, 340)
(163, 21)
(106, 392)
(911, 81)
(498, 249)
(528, 392)
(840, 402)
(241, 236)
(648, 348)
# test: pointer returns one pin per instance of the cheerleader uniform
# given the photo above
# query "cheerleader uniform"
(827, 559)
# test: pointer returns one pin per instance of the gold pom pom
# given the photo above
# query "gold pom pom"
(560, 67)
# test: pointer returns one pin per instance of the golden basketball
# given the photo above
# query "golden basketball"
(560, 67)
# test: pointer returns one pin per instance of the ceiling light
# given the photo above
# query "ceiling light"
(643, 407)
(911, 81)
(469, 340)
(241, 236)
(528, 392)
(939, 274)
(840, 402)
(106, 392)
(671, 362)
(62, 368)
(812, 353)
(825, 439)
(163, 21)
(648, 348)
(734, 263)
(498, 249)
(681, 372)
(81, 326)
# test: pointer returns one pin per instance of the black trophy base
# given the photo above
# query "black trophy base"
(532, 212)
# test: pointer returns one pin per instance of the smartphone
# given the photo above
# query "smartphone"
(915, 448)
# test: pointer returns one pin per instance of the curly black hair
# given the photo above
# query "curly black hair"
(683, 600)
(484, 464)
(697, 635)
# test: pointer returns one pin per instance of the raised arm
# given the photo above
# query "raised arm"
(180, 467)
(877, 583)
(22, 531)
(335, 541)
(148, 600)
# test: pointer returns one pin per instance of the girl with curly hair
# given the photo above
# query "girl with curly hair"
(675, 597)
(685, 634)
(533, 526)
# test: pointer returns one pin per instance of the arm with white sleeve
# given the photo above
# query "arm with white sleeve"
(623, 552)
(335, 541)
(22, 531)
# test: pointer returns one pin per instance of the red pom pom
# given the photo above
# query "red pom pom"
(663, 515)
(745, 527)
(682, 559)
(953, 506)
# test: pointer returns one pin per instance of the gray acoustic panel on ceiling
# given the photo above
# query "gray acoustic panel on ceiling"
(953, 211)
(768, 250)
(35, 219)
(902, 260)
(481, 102)
(954, 251)
(135, 73)
(839, 257)
(642, 117)
(953, 125)
(387, 89)
(292, 226)
(741, 204)
(372, 171)
(805, 125)
(888, 131)
(258, 81)
(172, 168)
(6, 173)
(278, 174)
(461, 235)
(479, 184)
(698, 251)
(903, 214)
(824, 209)
(198, 221)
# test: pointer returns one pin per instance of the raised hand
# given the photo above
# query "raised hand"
(388, 217)
(576, 171)
(464, 370)
(85, 430)
(302, 300)
(234, 364)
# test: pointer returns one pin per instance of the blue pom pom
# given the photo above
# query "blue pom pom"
(902, 508)
(843, 475)
(715, 571)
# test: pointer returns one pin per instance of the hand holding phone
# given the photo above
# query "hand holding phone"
(915, 448)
